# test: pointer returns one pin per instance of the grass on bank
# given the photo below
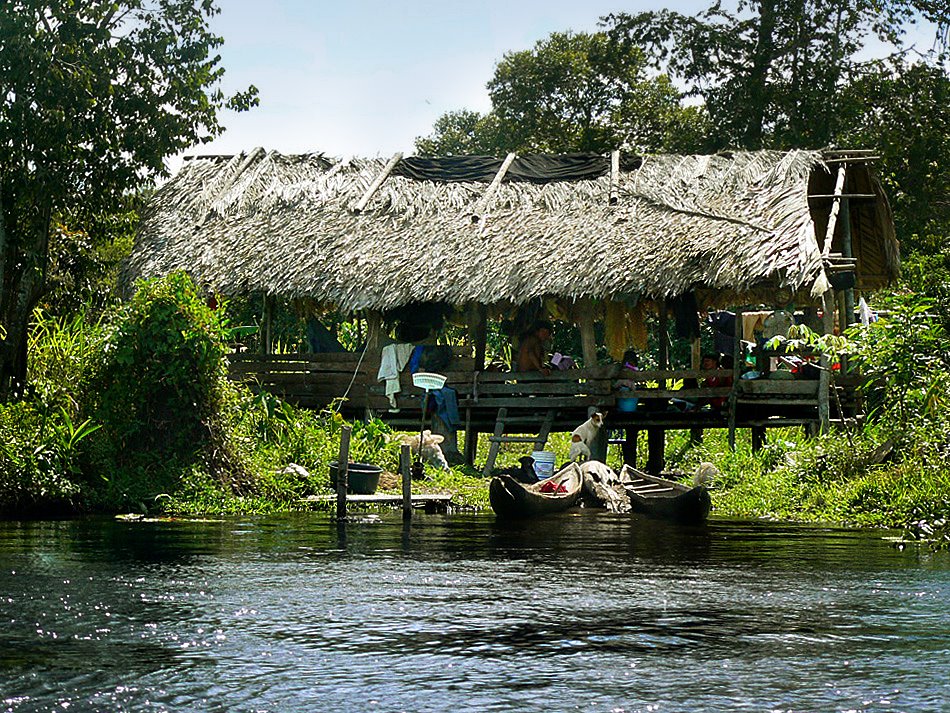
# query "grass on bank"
(135, 413)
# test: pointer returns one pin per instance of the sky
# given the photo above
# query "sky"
(366, 77)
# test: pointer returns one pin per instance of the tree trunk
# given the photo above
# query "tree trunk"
(759, 75)
(23, 267)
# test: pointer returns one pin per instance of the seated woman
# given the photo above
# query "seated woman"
(532, 354)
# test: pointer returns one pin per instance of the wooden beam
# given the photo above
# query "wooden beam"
(479, 212)
(374, 186)
(835, 207)
(614, 177)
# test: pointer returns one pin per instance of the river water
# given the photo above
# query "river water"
(591, 612)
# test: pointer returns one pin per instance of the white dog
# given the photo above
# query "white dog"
(431, 452)
(583, 436)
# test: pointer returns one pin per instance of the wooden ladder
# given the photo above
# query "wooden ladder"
(499, 437)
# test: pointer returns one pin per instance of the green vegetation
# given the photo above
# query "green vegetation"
(95, 96)
(128, 407)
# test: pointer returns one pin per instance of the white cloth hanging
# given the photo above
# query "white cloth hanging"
(392, 361)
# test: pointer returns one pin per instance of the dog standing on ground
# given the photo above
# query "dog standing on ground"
(431, 452)
(583, 436)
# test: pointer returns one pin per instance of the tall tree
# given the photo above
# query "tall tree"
(95, 95)
(770, 72)
(902, 110)
(573, 92)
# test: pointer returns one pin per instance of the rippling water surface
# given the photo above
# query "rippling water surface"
(590, 612)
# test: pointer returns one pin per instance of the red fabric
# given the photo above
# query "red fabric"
(552, 488)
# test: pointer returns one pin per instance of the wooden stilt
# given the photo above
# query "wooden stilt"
(342, 467)
(629, 446)
(405, 458)
(737, 365)
(656, 450)
(824, 377)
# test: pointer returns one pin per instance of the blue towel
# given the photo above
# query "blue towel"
(415, 359)
(447, 406)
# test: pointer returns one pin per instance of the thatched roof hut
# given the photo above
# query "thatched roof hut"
(731, 227)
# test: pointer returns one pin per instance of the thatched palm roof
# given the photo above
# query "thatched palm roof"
(285, 225)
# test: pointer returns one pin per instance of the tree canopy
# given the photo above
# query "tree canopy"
(770, 73)
(95, 96)
(571, 92)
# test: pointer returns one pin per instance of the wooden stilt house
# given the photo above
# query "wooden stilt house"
(610, 243)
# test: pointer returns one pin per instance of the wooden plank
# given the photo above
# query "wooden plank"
(561, 388)
(537, 402)
(383, 499)
(495, 443)
(777, 386)
(709, 392)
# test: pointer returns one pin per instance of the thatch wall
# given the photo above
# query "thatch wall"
(283, 225)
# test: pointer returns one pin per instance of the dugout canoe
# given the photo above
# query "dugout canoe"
(509, 498)
(664, 498)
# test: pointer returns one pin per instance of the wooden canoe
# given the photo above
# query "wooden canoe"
(509, 498)
(665, 498)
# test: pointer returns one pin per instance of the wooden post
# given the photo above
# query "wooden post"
(374, 333)
(267, 318)
(662, 339)
(824, 377)
(629, 446)
(585, 321)
(758, 438)
(342, 468)
(737, 365)
(405, 458)
(847, 252)
(480, 334)
(656, 450)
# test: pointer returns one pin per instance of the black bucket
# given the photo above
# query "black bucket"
(361, 478)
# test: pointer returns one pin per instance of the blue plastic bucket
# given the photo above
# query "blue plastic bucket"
(627, 404)
(543, 464)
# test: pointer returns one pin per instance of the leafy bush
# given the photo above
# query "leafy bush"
(160, 392)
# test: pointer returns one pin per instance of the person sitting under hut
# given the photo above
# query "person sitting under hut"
(710, 362)
(533, 352)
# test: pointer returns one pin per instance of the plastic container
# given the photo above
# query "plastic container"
(361, 478)
(543, 464)
(627, 404)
